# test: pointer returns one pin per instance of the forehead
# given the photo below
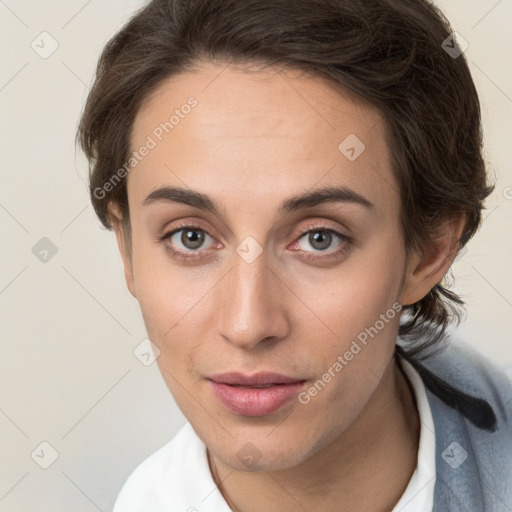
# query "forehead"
(253, 129)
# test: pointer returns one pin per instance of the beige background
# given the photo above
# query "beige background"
(69, 327)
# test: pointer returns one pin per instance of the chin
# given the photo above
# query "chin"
(252, 453)
(261, 460)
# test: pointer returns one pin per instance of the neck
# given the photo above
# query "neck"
(367, 468)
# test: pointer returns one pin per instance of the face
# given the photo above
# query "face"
(251, 281)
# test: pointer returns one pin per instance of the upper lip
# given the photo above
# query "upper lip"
(257, 379)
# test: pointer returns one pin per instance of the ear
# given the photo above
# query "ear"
(124, 244)
(426, 270)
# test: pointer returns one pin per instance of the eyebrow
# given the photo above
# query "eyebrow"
(310, 199)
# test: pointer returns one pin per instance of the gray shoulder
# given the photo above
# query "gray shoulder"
(469, 370)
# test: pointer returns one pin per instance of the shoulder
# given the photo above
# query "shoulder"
(159, 477)
(470, 371)
(471, 403)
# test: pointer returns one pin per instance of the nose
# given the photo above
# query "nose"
(253, 305)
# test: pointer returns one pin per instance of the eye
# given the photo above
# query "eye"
(320, 239)
(326, 243)
(189, 242)
(186, 241)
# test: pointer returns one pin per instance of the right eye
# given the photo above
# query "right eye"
(186, 241)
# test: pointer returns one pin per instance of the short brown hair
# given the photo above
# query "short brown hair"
(391, 53)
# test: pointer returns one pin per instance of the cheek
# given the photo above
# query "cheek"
(361, 309)
(163, 291)
(363, 315)
(367, 285)
(175, 305)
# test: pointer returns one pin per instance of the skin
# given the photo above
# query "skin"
(256, 138)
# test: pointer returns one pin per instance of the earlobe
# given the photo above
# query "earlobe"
(123, 239)
(427, 269)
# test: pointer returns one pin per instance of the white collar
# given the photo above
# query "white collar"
(419, 493)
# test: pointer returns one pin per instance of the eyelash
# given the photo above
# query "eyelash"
(344, 239)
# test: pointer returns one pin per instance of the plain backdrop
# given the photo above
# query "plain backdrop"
(69, 377)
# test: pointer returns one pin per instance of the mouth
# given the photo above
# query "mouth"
(254, 395)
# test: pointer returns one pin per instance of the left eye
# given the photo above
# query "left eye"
(321, 239)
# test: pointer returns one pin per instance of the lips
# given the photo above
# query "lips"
(254, 395)
(258, 379)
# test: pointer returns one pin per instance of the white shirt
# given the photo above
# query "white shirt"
(177, 478)
(419, 493)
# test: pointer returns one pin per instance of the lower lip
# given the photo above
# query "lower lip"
(247, 401)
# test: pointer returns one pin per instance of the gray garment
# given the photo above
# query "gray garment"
(471, 403)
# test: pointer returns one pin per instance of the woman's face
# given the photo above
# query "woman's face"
(248, 279)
